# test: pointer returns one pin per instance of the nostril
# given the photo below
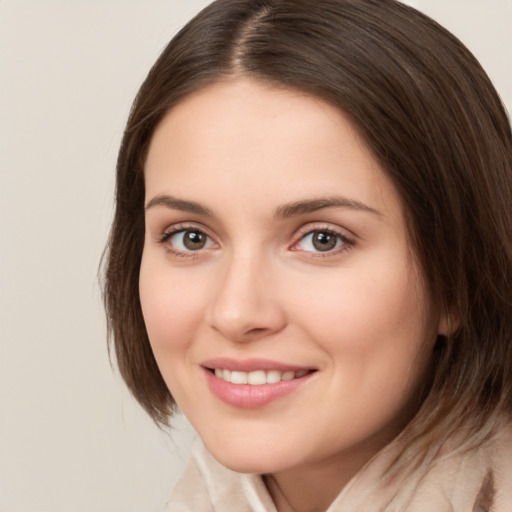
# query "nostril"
(256, 330)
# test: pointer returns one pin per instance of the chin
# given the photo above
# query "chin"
(258, 460)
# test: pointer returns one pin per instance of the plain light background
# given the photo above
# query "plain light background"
(71, 438)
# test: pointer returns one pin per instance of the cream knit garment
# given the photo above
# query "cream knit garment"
(475, 481)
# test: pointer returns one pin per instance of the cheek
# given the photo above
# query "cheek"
(374, 318)
(373, 329)
(171, 305)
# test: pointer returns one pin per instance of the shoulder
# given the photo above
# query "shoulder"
(207, 486)
(500, 466)
(478, 479)
(451, 480)
(190, 493)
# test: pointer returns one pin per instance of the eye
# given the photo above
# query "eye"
(187, 240)
(321, 241)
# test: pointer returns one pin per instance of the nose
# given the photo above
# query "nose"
(245, 306)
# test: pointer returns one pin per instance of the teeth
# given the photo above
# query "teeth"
(239, 377)
(258, 377)
(273, 376)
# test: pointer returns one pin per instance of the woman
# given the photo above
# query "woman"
(311, 257)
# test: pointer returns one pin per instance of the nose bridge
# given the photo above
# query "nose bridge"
(244, 306)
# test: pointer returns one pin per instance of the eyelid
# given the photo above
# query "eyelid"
(181, 226)
(170, 231)
(348, 238)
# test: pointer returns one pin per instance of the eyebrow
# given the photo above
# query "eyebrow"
(179, 204)
(285, 211)
(313, 205)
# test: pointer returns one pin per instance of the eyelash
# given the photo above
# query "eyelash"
(167, 235)
(346, 242)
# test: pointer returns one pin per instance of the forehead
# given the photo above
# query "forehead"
(233, 137)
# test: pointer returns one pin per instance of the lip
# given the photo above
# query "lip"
(251, 365)
(247, 396)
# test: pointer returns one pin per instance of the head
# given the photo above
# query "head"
(426, 113)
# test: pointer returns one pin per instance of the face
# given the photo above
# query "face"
(282, 301)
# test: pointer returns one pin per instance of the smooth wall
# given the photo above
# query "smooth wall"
(71, 438)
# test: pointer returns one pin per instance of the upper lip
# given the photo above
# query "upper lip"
(251, 365)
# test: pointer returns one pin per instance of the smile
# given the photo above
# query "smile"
(258, 377)
(253, 384)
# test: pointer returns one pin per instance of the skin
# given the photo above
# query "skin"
(259, 287)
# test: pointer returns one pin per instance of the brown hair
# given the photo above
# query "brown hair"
(429, 114)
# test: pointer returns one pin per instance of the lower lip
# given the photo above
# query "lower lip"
(247, 396)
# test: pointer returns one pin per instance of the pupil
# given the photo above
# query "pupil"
(324, 241)
(194, 240)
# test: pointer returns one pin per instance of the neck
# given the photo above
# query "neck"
(314, 487)
(310, 490)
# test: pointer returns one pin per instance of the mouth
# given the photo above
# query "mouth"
(258, 377)
(255, 383)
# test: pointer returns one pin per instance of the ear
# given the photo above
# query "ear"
(449, 322)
